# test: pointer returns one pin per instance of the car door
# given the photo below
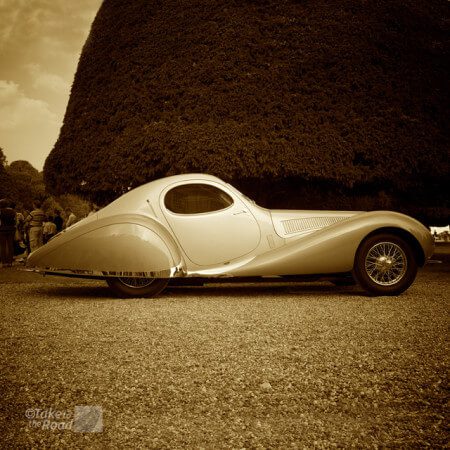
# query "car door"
(213, 226)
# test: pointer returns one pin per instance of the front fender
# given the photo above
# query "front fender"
(332, 249)
(125, 244)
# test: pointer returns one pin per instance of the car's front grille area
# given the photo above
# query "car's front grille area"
(310, 223)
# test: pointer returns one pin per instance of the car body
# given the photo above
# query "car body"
(198, 226)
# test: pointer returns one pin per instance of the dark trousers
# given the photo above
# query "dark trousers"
(6, 246)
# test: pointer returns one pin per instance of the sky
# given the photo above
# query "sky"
(40, 44)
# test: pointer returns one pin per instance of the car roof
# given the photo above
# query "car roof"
(137, 198)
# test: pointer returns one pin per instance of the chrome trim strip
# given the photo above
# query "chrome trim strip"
(169, 273)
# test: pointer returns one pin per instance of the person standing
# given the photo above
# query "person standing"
(34, 222)
(26, 236)
(7, 231)
(71, 217)
(19, 235)
(58, 220)
(20, 224)
(49, 229)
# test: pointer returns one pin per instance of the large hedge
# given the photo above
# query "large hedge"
(301, 103)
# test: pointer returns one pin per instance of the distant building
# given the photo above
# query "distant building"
(441, 234)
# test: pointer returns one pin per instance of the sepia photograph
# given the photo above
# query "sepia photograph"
(224, 224)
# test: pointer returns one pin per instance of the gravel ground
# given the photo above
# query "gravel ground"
(290, 366)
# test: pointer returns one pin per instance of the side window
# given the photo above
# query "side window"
(196, 199)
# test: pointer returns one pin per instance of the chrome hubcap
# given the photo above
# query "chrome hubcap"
(386, 263)
(135, 282)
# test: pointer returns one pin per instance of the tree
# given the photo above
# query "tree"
(23, 184)
(343, 99)
(26, 183)
(5, 180)
(2, 159)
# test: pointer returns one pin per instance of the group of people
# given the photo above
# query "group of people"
(23, 232)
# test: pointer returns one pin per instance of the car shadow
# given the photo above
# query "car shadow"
(78, 292)
(262, 289)
(249, 290)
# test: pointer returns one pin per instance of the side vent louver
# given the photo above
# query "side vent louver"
(310, 223)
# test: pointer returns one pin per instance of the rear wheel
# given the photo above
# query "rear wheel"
(126, 287)
(385, 265)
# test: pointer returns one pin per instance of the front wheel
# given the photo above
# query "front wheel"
(385, 265)
(127, 287)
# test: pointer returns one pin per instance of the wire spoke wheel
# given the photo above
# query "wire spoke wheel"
(135, 282)
(129, 287)
(386, 263)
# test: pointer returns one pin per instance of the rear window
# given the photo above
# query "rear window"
(196, 198)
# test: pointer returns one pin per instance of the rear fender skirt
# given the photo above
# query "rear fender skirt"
(123, 244)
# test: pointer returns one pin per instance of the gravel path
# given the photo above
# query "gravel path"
(291, 366)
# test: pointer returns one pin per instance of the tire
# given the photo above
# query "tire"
(128, 287)
(385, 265)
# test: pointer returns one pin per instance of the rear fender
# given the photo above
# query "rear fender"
(120, 245)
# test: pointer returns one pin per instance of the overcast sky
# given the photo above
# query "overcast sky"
(40, 44)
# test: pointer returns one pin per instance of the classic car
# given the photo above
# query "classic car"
(196, 226)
